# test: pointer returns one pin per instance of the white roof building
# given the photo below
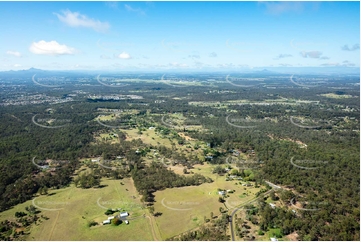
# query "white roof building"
(106, 221)
(125, 214)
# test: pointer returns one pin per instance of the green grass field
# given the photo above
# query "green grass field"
(70, 209)
(148, 137)
(184, 208)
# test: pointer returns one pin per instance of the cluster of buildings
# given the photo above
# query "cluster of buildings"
(34, 99)
(223, 192)
(122, 216)
(114, 97)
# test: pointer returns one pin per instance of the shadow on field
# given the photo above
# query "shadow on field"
(101, 186)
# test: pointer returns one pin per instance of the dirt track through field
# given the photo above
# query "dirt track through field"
(152, 227)
(52, 229)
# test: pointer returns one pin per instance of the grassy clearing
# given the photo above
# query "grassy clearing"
(108, 137)
(107, 117)
(76, 207)
(187, 206)
(148, 137)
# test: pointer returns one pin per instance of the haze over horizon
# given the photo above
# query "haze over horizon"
(180, 36)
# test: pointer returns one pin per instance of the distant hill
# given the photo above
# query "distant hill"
(265, 70)
(20, 73)
(32, 71)
(254, 71)
(29, 70)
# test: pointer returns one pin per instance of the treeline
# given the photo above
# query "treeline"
(87, 180)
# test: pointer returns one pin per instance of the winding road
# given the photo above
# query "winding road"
(246, 203)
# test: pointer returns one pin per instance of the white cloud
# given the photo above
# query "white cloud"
(124, 55)
(75, 19)
(17, 65)
(311, 54)
(13, 53)
(136, 10)
(50, 48)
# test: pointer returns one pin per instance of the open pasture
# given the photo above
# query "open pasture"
(70, 209)
(184, 208)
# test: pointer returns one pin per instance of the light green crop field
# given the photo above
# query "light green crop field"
(70, 209)
(148, 137)
(184, 208)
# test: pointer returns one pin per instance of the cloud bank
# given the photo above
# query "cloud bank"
(50, 48)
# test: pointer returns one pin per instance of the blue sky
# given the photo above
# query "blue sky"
(200, 36)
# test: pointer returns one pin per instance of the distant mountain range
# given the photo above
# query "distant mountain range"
(33, 71)
(268, 70)
(29, 70)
